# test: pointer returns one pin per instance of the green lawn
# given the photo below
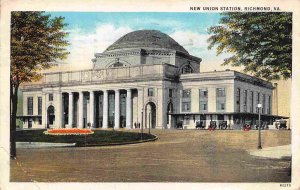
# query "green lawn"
(100, 137)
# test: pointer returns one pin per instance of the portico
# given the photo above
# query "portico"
(104, 105)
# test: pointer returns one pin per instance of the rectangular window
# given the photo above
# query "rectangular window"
(263, 104)
(238, 99)
(251, 102)
(220, 99)
(220, 105)
(269, 105)
(257, 101)
(186, 101)
(50, 97)
(203, 97)
(203, 105)
(150, 92)
(245, 100)
(203, 93)
(30, 106)
(170, 93)
(186, 106)
(39, 105)
(220, 92)
(186, 94)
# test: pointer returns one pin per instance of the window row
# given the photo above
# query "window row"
(151, 92)
(203, 100)
(30, 106)
(250, 95)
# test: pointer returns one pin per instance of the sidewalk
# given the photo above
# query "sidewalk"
(42, 145)
(272, 152)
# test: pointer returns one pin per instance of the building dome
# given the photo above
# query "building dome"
(146, 39)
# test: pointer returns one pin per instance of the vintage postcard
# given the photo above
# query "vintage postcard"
(149, 94)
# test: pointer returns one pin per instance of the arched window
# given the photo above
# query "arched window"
(118, 64)
(186, 69)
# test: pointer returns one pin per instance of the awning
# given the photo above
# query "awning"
(229, 113)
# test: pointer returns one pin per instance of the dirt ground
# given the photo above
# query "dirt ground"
(177, 156)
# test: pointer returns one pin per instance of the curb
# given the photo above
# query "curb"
(124, 143)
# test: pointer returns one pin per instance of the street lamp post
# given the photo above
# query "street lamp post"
(149, 121)
(142, 124)
(259, 106)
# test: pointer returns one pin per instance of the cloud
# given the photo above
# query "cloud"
(195, 43)
(85, 45)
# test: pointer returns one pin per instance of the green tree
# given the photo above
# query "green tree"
(261, 42)
(37, 42)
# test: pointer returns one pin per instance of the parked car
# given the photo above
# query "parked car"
(247, 125)
(212, 125)
(200, 124)
(222, 124)
(179, 125)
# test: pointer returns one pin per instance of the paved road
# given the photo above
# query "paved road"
(177, 156)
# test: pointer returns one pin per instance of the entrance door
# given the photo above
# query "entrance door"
(30, 123)
(169, 117)
(150, 116)
(50, 115)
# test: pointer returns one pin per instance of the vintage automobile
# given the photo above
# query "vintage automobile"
(212, 125)
(282, 124)
(247, 125)
(279, 124)
(200, 124)
(179, 125)
(223, 125)
(263, 125)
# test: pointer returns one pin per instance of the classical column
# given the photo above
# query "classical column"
(44, 110)
(105, 109)
(117, 109)
(63, 122)
(128, 110)
(80, 110)
(140, 106)
(92, 106)
(59, 111)
(70, 110)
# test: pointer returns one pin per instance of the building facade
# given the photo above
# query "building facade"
(145, 79)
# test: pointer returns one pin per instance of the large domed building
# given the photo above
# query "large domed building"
(144, 47)
(145, 79)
